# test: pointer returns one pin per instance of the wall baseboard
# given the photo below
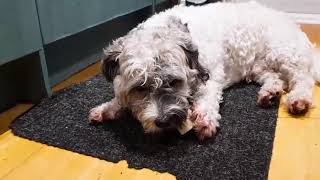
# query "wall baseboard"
(305, 18)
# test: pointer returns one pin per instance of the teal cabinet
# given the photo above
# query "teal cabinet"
(42, 42)
(61, 18)
(19, 29)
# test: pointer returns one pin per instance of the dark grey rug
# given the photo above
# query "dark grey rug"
(241, 150)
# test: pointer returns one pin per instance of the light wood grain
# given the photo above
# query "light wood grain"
(296, 151)
(24, 159)
(8, 116)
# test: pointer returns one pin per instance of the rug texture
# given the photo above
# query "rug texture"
(241, 150)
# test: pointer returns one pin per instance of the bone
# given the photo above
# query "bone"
(187, 125)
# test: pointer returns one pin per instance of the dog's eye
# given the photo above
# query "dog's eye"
(175, 83)
(141, 89)
(139, 92)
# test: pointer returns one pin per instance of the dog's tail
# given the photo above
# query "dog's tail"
(315, 69)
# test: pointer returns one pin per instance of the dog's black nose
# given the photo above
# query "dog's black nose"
(176, 119)
(162, 123)
(171, 120)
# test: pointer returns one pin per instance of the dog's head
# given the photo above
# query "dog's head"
(155, 72)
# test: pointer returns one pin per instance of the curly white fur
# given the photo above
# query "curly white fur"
(236, 41)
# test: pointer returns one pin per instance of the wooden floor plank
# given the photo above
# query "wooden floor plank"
(51, 163)
(313, 32)
(11, 114)
(14, 151)
(296, 151)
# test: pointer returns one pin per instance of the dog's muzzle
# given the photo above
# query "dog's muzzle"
(172, 119)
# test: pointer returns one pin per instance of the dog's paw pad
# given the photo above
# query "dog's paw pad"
(206, 132)
(268, 98)
(95, 115)
(299, 106)
(204, 127)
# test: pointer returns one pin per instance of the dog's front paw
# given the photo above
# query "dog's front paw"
(268, 98)
(298, 106)
(96, 115)
(205, 128)
(106, 111)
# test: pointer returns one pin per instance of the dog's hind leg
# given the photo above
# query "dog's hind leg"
(299, 99)
(294, 64)
(272, 87)
(105, 111)
(206, 110)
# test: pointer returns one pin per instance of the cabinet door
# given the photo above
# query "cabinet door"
(19, 29)
(60, 18)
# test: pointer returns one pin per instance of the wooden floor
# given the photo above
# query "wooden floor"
(296, 152)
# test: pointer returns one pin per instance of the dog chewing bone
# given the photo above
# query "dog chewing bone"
(187, 125)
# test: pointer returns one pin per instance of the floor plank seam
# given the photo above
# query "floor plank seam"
(21, 164)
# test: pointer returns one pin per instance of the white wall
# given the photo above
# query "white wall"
(294, 6)
(303, 11)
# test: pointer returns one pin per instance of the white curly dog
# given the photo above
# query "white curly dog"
(176, 64)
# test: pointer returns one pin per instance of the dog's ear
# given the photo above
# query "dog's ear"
(192, 54)
(110, 61)
(175, 22)
(182, 34)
